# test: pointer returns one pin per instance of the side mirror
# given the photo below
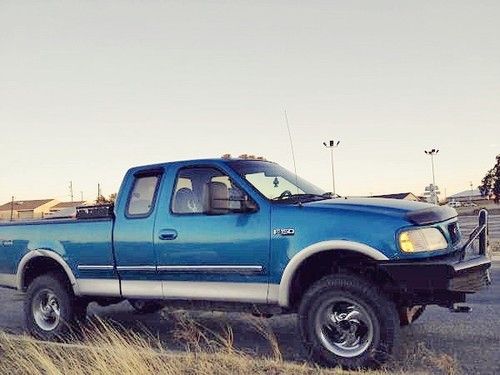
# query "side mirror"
(240, 202)
(248, 205)
(222, 200)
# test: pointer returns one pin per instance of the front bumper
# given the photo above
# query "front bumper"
(444, 280)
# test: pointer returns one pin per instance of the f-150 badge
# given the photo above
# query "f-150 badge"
(284, 232)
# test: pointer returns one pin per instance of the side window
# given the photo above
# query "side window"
(205, 190)
(141, 200)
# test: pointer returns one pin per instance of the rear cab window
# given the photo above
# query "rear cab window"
(143, 195)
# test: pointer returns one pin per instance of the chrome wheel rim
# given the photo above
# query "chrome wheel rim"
(344, 327)
(46, 310)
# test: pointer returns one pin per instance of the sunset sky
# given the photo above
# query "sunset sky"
(89, 89)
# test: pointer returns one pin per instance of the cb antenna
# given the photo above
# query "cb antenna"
(293, 153)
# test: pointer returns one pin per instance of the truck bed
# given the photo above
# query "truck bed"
(75, 240)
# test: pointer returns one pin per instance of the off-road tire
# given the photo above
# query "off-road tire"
(66, 301)
(379, 308)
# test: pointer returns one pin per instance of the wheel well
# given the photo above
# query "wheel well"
(39, 266)
(332, 261)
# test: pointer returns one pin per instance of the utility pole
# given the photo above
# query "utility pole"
(71, 190)
(433, 191)
(12, 209)
(98, 192)
(471, 191)
(81, 196)
(332, 145)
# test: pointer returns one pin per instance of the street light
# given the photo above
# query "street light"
(332, 145)
(431, 153)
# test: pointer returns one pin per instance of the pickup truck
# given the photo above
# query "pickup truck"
(245, 234)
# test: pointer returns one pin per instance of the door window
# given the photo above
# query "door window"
(205, 190)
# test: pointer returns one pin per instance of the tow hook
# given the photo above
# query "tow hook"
(460, 308)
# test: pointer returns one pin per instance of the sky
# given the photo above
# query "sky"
(91, 88)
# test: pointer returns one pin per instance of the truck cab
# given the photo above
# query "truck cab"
(245, 234)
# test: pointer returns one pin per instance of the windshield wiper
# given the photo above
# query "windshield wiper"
(300, 196)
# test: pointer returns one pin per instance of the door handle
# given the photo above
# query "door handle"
(168, 234)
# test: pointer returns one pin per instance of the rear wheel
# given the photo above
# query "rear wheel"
(346, 321)
(50, 307)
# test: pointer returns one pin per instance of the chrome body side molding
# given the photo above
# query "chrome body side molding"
(136, 268)
(212, 269)
(95, 268)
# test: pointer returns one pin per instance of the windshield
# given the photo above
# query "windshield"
(275, 182)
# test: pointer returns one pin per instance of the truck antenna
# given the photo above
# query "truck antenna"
(293, 154)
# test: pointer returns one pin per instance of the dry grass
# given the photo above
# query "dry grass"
(419, 359)
(105, 348)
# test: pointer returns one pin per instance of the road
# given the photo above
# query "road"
(467, 223)
(472, 339)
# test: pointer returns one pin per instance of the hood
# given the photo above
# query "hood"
(415, 212)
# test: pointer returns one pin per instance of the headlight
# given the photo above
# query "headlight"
(426, 239)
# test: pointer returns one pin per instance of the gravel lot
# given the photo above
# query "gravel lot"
(473, 339)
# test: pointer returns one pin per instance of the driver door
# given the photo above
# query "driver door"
(207, 246)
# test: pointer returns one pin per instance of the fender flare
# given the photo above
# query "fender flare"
(296, 261)
(43, 253)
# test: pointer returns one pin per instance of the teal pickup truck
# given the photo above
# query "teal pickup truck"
(245, 234)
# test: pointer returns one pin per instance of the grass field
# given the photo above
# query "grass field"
(105, 348)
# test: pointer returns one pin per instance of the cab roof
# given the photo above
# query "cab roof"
(224, 159)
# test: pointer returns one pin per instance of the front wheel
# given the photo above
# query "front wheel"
(347, 321)
(49, 308)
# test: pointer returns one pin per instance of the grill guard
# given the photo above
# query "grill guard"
(445, 280)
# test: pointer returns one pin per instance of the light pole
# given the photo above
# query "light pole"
(431, 153)
(332, 145)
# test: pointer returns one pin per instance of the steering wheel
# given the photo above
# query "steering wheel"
(286, 193)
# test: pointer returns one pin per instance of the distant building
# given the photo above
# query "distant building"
(467, 196)
(31, 209)
(405, 196)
